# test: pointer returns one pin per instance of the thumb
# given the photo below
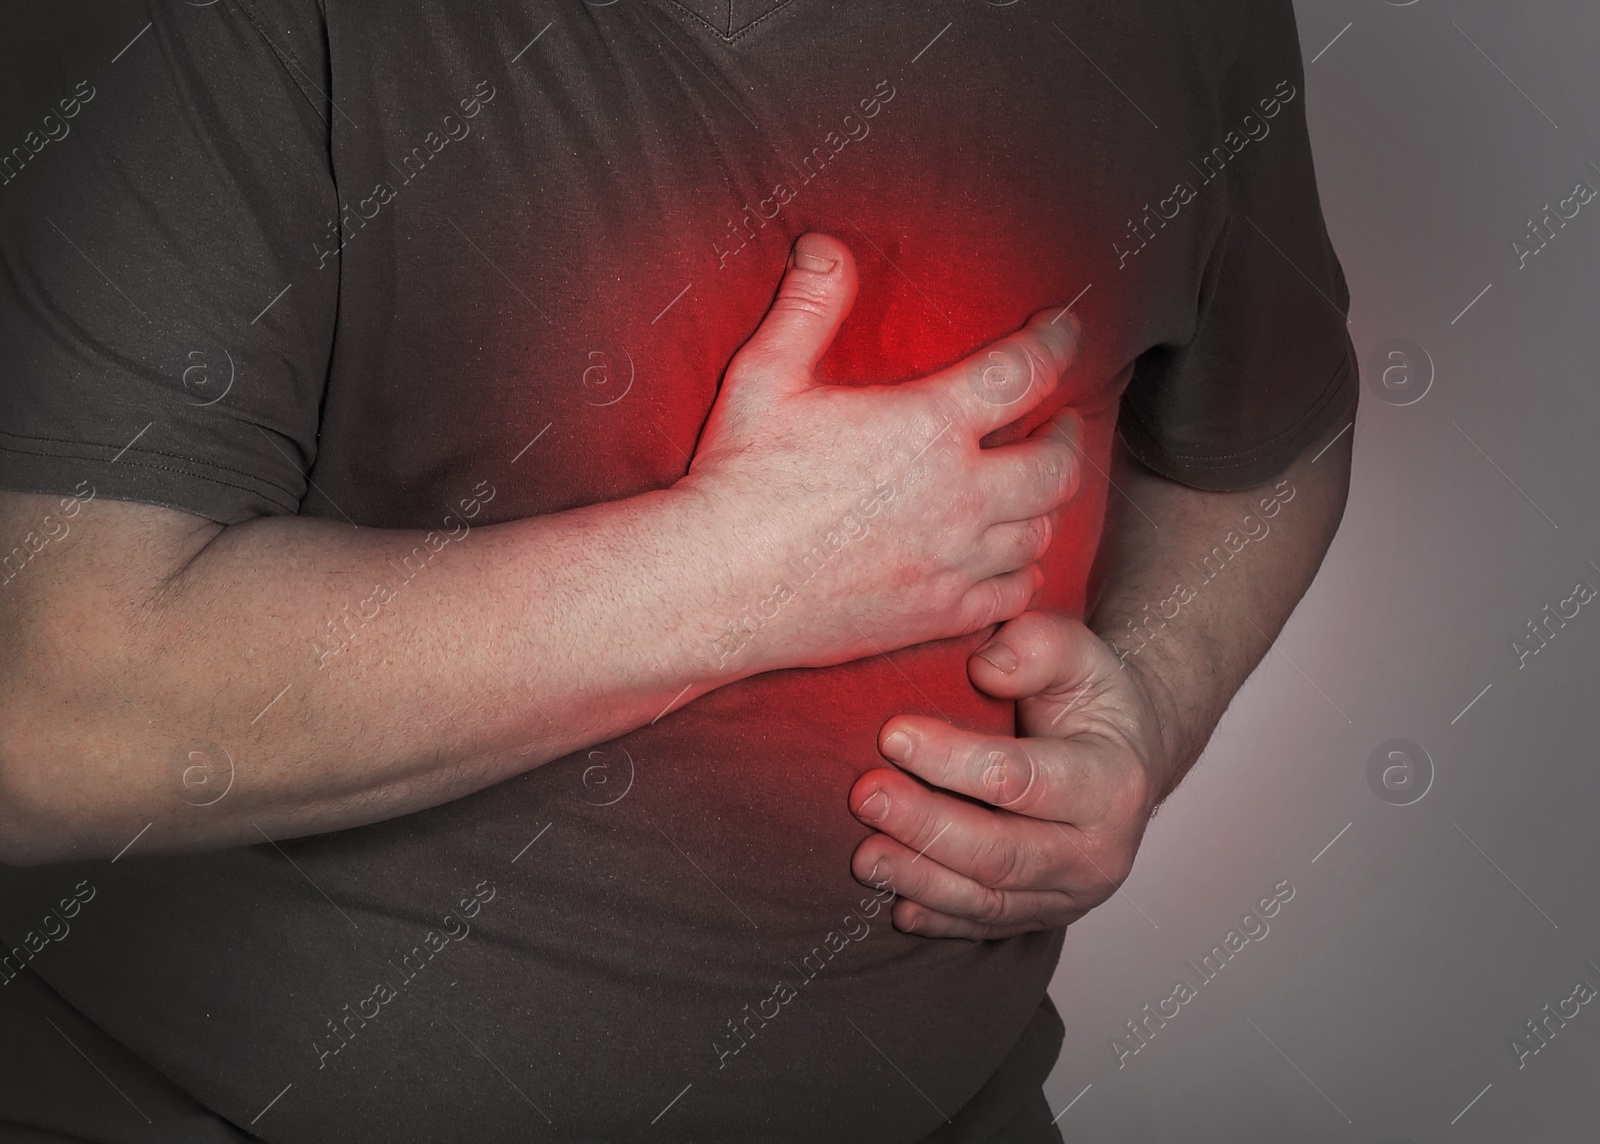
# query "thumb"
(1038, 653)
(817, 291)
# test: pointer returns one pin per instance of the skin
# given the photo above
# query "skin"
(145, 642)
(1107, 732)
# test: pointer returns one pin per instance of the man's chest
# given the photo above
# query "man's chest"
(553, 234)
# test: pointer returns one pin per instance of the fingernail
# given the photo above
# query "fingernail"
(813, 262)
(897, 746)
(911, 926)
(1067, 322)
(1061, 330)
(872, 878)
(997, 653)
(874, 808)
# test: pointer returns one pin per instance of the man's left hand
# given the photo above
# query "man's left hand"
(987, 837)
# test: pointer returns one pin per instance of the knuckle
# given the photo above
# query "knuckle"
(1041, 361)
(1039, 536)
(923, 833)
(1002, 373)
(990, 770)
(952, 592)
(995, 603)
(1003, 772)
(979, 604)
(1000, 863)
(804, 294)
(943, 408)
(1072, 480)
(745, 364)
(1044, 363)
(1030, 478)
(1019, 542)
(1067, 470)
(1048, 471)
(755, 362)
(990, 906)
(870, 856)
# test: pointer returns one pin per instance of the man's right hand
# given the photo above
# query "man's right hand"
(868, 518)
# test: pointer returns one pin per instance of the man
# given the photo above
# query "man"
(436, 708)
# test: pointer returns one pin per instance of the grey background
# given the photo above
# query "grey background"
(1387, 993)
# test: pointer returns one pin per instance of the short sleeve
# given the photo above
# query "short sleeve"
(1270, 366)
(165, 323)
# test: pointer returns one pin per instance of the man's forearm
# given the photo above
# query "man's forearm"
(293, 676)
(1197, 584)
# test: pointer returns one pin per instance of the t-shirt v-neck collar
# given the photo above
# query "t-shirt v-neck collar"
(729, 19)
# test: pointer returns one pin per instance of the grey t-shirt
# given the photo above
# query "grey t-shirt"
(405, 264)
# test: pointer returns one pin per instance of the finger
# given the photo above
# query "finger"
(816, 294)
(1006, 547)
(1042, 653)
(1066, 424)
(916, 919)
(881, 861)
(1036, 475)
(1000, 849)
(1048, 779)
(1005, 379)
(999, 598)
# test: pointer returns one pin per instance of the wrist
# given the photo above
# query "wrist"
(715, 560)
(747, 621)
(1174, 710)
(1168, 757)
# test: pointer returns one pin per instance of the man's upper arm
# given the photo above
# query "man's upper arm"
(164, 322)
(1269, 368)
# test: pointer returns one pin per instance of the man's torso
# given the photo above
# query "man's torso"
(553, 227)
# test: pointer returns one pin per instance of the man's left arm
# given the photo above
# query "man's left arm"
(1112, 714)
